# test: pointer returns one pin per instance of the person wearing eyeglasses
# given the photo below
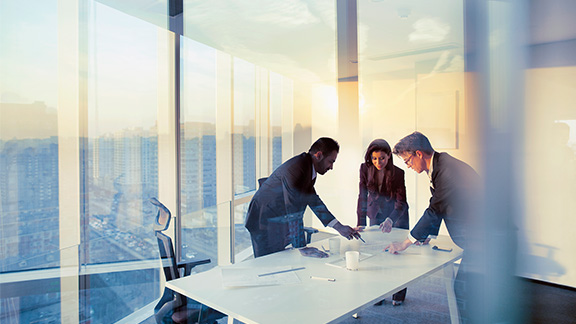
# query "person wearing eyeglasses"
(454, 186)
(382, 195)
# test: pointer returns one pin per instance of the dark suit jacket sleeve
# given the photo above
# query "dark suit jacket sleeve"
(361, 210)
(444, 187)
(298, 190)
(429, 224)
(399, 195)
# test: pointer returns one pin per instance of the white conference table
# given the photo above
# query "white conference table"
(317, 301)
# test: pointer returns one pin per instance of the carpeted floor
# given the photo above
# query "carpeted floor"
(426, 302)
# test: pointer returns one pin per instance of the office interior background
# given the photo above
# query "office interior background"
(105, 104)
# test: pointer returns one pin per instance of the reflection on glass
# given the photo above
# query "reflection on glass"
(244, 140)
(28, 142)
(29, 185)
(119, 164)
(412, 78)
(546, 248)
(276, 97)
(198, 150)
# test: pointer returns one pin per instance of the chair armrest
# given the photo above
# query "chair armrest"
(188, 265)
(309, 231)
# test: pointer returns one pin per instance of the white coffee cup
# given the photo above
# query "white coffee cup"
(352, 260)
(334, 243)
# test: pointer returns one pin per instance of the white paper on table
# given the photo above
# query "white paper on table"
(246, 277)
(341, 262)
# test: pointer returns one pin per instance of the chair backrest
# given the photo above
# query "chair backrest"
(165, 246)
(293, 229)
(169, 300)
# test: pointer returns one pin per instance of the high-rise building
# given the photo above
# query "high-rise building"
(30, 197)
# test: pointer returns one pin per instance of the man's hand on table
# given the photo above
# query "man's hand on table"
(396, 247)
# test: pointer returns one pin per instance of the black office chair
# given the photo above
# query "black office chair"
(174, 307)
(304, 233)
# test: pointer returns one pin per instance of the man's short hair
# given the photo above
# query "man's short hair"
(326, 145)
(412, 143)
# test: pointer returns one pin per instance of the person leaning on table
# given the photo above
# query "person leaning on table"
(454, 187)
(382, 195)
(284, 196)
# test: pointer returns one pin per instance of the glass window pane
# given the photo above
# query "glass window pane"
(242, 240)
(154, 12)
(546, 249)
(296, 42)
(198, 150)
(244, 140)
(276, 97)
(29, 175)
(28, 130)
(119, 162)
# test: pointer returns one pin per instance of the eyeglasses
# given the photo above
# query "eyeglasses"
(409, 160)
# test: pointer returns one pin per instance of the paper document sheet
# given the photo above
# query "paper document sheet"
(246, 277)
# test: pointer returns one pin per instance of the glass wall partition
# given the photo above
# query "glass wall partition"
(546, 251)
(411, 77)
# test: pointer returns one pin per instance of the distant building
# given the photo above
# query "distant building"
(30, 200)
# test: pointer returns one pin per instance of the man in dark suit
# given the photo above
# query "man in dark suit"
(281, 200)
(454, 187)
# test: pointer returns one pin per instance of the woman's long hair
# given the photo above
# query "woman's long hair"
(382, 146)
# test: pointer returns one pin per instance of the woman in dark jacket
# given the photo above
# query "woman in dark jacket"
(382, 196)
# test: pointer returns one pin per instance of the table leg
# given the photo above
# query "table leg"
(449, 282)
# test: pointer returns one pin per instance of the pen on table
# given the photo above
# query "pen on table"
(281, 271)
(322, 278)
(334, 265)
(361, 239)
